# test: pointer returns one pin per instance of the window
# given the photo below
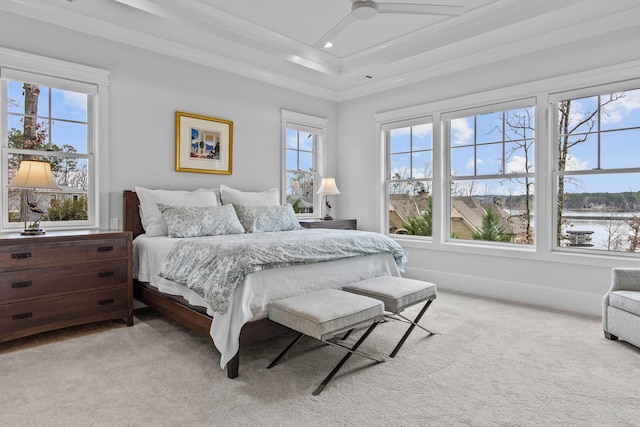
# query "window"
(409, 148)
(539, 168)
(303, 138)
(491, 165)
(597, 170)
(50, 118)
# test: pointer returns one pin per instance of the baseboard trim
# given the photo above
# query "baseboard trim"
(512, 291)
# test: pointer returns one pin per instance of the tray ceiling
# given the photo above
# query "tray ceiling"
(276, 40)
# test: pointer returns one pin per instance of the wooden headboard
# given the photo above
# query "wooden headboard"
(131, 213)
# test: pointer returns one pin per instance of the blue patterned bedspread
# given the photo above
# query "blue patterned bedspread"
(214, 266)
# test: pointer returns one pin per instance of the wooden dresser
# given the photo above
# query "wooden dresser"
(63, 279)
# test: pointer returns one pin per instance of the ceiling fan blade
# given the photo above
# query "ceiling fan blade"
(143, 5)
(420, 9)
(337, 29)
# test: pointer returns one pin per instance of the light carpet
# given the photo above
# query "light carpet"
(490, 364)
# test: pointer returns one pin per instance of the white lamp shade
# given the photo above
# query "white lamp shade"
(328, 186)
(34, 174)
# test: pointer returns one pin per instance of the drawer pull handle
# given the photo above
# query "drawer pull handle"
(22, 316)
(22, 255)
(105, 248)
(106, 301)
(21, 284)
(105, 273)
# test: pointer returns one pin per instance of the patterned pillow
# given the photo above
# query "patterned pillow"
(152, 221)
(261, 219)
(194, 221)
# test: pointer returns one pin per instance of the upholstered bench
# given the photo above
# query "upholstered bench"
(327, 315)
(397, 293)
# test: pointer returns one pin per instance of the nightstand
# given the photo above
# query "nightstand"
(64, 279)
(338, 224)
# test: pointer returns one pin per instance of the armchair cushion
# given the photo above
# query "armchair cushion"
(628, 301)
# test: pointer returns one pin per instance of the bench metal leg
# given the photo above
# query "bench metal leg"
(294, 342)
(414, 323)
(335, 370)
(353, 351)
(400, 318)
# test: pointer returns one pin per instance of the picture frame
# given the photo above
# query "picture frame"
(203, 144)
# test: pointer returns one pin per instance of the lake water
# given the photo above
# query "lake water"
(600, 223)
(601, 227)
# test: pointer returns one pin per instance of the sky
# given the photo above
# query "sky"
(299, 150)
(68, 111)
(619, 147)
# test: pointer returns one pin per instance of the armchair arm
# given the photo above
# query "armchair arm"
(627, 279)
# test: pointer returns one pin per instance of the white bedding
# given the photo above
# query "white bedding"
(251, 299)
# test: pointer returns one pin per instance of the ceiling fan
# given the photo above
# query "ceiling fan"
(367, 9)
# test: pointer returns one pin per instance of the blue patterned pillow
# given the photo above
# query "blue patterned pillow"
(193, 221)
(261, 219)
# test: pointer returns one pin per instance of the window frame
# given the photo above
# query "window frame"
(23, 67)
(314, 125)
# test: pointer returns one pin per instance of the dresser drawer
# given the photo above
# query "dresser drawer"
(50, 313)
(56, 280)
(29, 255)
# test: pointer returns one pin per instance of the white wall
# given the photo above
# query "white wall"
(146, 89)
(575, 283)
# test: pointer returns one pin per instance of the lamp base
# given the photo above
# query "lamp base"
(32, 232)
(327, 217)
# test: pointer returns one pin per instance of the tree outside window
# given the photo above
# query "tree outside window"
(301, 172)
(492, 174)
(598, 171)
(51, 124)
(303, 139)
(409, 180)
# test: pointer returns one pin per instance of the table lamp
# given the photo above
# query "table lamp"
(328, 186)
(33, 174)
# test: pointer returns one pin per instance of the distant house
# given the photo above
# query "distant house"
(466, 216)
(66, 192)
(301, 204)
(43, 198)
(403, 206)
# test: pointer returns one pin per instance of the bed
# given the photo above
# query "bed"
(244, 320)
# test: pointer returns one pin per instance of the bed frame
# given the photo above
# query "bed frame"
(178, 308)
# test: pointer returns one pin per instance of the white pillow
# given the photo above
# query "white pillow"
(270, 197)
(152, 220)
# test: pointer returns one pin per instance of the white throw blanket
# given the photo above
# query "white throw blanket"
(214, 266)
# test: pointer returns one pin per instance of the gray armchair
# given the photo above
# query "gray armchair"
(621, 306)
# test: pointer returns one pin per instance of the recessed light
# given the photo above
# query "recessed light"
(327, 45)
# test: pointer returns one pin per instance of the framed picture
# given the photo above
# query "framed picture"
(203, 144)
